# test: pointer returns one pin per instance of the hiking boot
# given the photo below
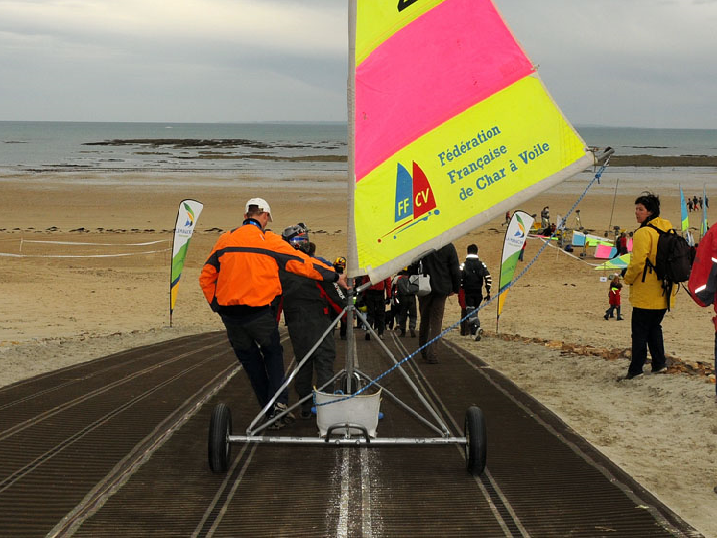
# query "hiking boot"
(479, 334)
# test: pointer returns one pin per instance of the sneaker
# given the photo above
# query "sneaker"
(633, 376)
(620, 318)
(605, 317)
(380, 336)
(661, 370)
(283, 421)
(479, 333)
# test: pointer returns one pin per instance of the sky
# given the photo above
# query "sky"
(622, 63)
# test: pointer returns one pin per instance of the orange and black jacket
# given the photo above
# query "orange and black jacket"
(243, 268)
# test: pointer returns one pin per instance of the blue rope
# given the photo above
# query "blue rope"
(475, 311)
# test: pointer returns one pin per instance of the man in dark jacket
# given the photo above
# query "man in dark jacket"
(474, 275)
(309, 308)
(444, 270)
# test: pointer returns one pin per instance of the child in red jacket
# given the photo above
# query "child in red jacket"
(614, 298)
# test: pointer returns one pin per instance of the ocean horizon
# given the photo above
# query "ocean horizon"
(273, 147)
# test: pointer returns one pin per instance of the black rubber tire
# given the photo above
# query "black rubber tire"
(220, 428)
(476, 441)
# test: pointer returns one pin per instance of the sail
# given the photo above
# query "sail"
(683, 210)
(450, 126)
(187, 216)
(621, 262)
(515, 237)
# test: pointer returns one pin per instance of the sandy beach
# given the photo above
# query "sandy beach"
(84, 272)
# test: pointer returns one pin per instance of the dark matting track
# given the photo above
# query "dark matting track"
(118, 447)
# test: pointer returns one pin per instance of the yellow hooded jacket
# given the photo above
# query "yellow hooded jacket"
(648, 294)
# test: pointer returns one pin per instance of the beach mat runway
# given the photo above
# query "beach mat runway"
(118, 447)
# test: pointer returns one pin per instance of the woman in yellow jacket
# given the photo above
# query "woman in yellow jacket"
(647, 297)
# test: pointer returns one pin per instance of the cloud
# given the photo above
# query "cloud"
(639, 63)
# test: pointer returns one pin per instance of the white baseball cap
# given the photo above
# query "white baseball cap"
(261, 204)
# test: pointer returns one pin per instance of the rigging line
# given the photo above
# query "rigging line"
(445, 331)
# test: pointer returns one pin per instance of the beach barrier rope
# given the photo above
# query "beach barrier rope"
(11, 255)
(84, 243)
(97, 244)
(490, 301)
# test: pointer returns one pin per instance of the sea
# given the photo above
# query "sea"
(271, 149)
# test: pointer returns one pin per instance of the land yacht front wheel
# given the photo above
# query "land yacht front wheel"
(476, 442)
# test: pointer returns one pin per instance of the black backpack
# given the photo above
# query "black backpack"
(673, 261)
(472, 278)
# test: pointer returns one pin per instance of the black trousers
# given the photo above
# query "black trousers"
(376, 309)
(647, 333)
(256, 344)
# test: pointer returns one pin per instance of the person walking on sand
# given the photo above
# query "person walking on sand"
(240, 279)
(649, 303)
(474, 275)
(614, 299)
(444, 270)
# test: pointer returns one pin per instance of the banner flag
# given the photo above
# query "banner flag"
(515, 237)
(187, 217)
(683, 210)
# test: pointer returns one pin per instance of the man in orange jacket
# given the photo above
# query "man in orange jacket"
(240, 279)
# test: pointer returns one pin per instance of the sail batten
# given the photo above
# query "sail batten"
(451, 127)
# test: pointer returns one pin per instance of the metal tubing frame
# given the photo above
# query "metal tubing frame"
(288, 380)
(405, 406)
(347, 441)
(410, 382)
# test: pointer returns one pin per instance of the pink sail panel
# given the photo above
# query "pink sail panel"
(444, 62)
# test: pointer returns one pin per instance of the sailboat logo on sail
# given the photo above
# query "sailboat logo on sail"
(414, 198)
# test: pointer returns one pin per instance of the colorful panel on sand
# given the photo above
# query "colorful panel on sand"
(604, 252)
(452, 127)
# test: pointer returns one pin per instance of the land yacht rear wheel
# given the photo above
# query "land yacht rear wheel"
(220, 428)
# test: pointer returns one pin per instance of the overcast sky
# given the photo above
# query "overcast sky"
(641, 63)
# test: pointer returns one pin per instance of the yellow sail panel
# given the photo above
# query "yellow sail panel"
(380, 20)
(471, 168)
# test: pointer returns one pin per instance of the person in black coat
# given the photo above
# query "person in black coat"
(474, 276)
(444, 269)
